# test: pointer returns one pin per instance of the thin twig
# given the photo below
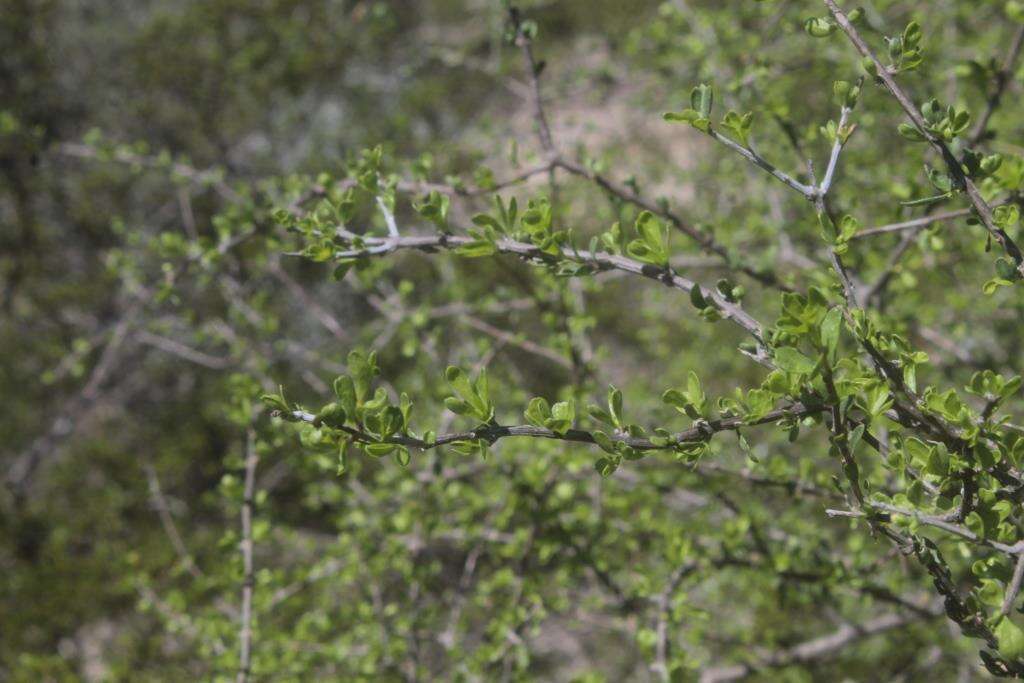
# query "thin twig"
(924, 221)
(1003, 78)
(662, 649)
(933, 521)
(526, 44)
(842, 135)
(517, 340)
(211, 177)
(167, 521)
(176, 348)
(248, 579)
(753, 157)
(389, 219)
(1014, 588)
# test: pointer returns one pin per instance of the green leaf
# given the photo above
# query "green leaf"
(820, 27)
(684, 116)
(379, 450)
(675, 398)
(363, 368)
(457, 406)
(345, 390)
(912, 35)
(918, 451)
(604, 442)
(275, 402)
(1011, 639)
(791, 360)
(341, 270)
(477, 249)
(537, 412)
(831, 325)
(992, 285)
(332, 415)
(563, 414)
(606, 466)
(877, 399)
(702, 99)
(697, 298)
(615, 406)
(473, 396)
(652, 247)
(600, 414)
(855, 436)
(938, 462)
(739, 125)
(910, 132)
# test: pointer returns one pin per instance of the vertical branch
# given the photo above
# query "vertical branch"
(1014, 588)
(841, 137)
(662, 651)
(524, 41)
(245, 626)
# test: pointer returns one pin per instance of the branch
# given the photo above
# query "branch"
(170, 528)
(517, 340)
(812, 192)
(818, 648)
(795, 487)
(176, 348)
(23, 469)
(841, 137)
(1014, 588)
(753, 157)
(524, 42)
(936, 522)
(1002, 80)
(956, 171)
(662, 650)
(600, 260)
(915, 223)
(248, 581)
(211, 177)
(493, 432)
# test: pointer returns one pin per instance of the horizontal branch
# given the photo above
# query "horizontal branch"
(820, 647)
(911, 224)
(198, 176)
(936, 522)
(921, 222)
(493, 432)
(600, 260)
